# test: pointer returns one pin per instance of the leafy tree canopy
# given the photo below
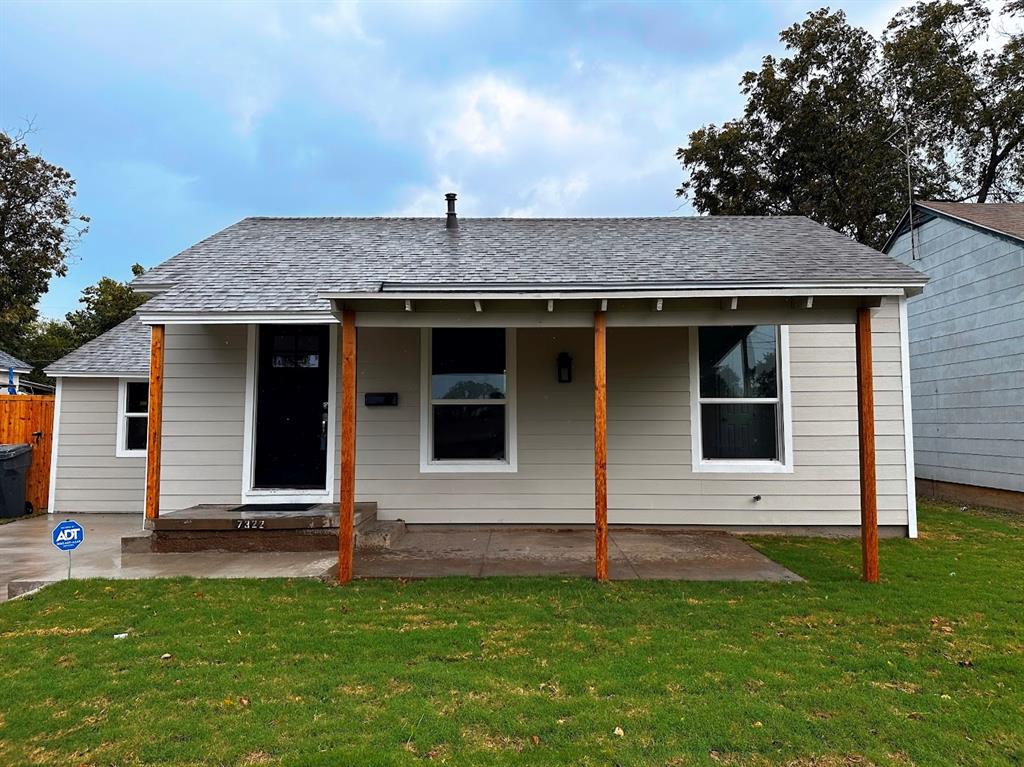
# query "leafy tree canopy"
(38, 230)
(825, 129)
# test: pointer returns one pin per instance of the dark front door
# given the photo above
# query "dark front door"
(292, 384)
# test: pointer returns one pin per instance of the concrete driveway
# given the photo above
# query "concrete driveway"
(29, 559)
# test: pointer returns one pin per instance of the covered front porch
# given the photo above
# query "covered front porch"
(656, 473)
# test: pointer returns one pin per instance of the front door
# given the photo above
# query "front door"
(292, 384)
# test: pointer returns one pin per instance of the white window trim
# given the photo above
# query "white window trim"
(427, 465)
(122, 418)
(252, 494)
(742, 466)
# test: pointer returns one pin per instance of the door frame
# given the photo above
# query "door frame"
(252, 494)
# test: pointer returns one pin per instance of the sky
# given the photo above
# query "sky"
(178, 119)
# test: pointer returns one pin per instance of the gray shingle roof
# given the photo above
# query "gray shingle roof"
(10, 361)
(281, 264)
(122, 350)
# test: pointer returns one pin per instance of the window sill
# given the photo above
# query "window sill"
(121, 453)
(742, 467)
(479, 467)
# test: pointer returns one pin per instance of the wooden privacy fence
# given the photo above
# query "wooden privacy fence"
(29, 418)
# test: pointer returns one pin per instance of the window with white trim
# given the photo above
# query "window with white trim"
(132, 417)
(469, 390)
(739, 417)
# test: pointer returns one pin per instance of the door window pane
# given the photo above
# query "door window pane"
(738, 361)
(740, 431)
(469, 432)
(468, 363)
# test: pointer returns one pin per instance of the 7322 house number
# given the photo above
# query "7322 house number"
(250, 524)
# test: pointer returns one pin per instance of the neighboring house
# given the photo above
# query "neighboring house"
(98, 459)
(967, 348)
(731, 366)
(11, 371)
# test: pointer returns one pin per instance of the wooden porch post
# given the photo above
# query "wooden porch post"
(600, 446)
(347, 490)
(156, 408)
(866, 431)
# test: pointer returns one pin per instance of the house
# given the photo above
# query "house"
(12, 369)
(967, 349)
(744, 373)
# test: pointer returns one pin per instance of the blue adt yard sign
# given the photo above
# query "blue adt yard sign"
(68, 535)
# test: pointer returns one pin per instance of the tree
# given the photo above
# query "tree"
(38, 230)
(107, 303)
(823, 131)
(965, 105)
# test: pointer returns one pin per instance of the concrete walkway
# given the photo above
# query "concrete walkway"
(28, 558)
(430, 551)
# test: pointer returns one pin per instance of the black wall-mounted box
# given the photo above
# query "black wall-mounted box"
(381, 399)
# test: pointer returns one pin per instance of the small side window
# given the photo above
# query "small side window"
(133, 418)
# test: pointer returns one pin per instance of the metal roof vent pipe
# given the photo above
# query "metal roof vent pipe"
(452, 222)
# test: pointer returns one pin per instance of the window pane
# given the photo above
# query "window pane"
(136, 397)
(469, 432)
(738, 361)
(468, 363)
(740, 431)
(136, 430)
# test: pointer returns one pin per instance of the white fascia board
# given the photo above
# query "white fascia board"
(143, 374)
(237, 318)
(666, 292)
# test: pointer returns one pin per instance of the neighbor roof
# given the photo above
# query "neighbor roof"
(121, 351)
(10, 361)
(1003, 217)
(283, 264)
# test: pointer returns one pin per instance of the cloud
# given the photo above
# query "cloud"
(342, 19)
(493, 117)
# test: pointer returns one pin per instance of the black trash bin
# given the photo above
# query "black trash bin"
(14, 463)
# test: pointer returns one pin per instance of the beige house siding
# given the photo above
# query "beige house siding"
(89, 476)
(204, 397)
(650, 475)
(651, 479)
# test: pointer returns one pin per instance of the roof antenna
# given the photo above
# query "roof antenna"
(452, 222)
(910, 185)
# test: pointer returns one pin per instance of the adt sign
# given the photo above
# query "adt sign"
(68, 535)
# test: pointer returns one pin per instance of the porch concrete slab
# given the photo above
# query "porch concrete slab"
(697, 556)
(656, 554)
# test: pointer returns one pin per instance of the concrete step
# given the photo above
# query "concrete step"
(379, 536)
(222, 529)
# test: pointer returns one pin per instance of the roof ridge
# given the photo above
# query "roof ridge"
(519, 218)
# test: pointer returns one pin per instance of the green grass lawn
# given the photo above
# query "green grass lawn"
(926, 668)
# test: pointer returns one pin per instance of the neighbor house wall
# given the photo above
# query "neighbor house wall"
(203, 416)
(967, 355)
(89, 476)
(650, 476)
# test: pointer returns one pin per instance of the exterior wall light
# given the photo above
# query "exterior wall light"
(564, 367)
